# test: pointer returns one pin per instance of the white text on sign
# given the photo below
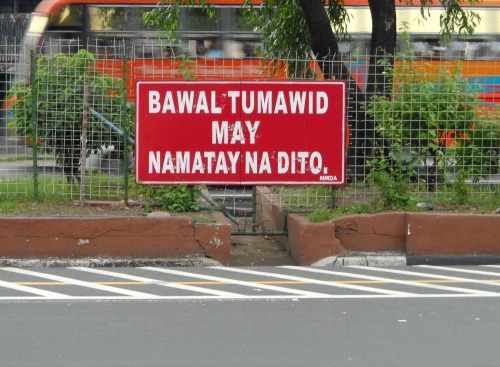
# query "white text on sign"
(265, 102)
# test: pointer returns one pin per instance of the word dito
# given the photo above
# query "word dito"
(240, 133)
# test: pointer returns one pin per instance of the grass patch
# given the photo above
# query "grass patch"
(325, 214)
(8, 207)
(443, 203)
(204, 218)
(50, 188)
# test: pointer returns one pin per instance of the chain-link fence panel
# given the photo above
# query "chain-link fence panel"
(431, 132)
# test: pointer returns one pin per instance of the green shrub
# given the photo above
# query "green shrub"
(181, 198)
(432, 127)
(58, 91)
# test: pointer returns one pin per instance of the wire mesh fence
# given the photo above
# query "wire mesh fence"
(432, 131)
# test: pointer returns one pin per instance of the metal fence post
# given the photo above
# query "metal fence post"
(34, 118)
(125, 129)
(83, 154)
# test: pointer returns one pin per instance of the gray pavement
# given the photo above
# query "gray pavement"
(262, 316)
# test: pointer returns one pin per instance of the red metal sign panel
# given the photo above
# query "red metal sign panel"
(241, 133)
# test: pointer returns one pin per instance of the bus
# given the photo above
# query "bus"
(224, 47)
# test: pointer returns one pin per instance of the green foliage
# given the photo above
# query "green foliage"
(292, 40)
(188, 69)
(204, 218)
(392, 176)
(460, 188)
(58, 92)
(425, 108)
(167, 16)
(325, 214)
(284, 32)
(454, 20)
(54, 189)
(479, 148)
(180, 198)
(320, 215)
(8, 207)
(431, 117)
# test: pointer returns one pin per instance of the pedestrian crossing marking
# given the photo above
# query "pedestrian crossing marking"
(398, 281)
(238, 282)
(81, 283)
(158, 282)
(287, 282)
(313, 281)
(31, 290)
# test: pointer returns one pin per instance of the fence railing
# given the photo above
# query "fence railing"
(435, 133)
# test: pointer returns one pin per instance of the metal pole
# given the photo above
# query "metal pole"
(125, 129)
(83, 154)
(333, 197)
(34, 117)
(254, 208)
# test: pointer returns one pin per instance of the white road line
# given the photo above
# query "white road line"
(388, 280)
(240, 282)
(40, 292)
(434, 276)
(81, 283)
(316, 281)
(216, 298)
(160, 282)
(469, 271)
(491, 266)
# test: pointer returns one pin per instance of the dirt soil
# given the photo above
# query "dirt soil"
(257, 251)
(245, 250)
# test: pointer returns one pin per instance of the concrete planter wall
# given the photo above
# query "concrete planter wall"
(423, 234)
(410, 233)
(178, 237)
(124, 237)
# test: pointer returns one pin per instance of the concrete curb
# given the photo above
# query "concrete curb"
(332, 261)
(407, 260)
(451, 260)
(114, 263)
(368, 260)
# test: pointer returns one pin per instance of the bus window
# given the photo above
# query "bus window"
(154, 48)
(116, 19)
(65, 31)
(196, 20)
(228, 34)
(70, 16)
(241, 23)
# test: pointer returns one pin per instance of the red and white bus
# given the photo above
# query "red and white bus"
(223, 47)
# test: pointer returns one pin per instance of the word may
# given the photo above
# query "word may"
(221, 131)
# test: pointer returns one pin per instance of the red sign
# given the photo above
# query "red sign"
(241, 133)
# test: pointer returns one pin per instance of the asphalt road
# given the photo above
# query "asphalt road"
(409, 316)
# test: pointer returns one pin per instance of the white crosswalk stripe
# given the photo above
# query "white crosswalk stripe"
(227, 283)
(436, 276)
(315, 281)
(213, 292)
(32, 290)
(391, 280)
(468, 271)
(239, 282)
(81, 283)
